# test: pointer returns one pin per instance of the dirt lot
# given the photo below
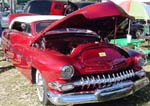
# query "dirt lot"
(16, 90)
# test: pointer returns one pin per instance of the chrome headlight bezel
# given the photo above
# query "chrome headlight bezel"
(67, 72)
(61, 87)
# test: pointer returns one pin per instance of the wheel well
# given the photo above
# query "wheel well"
(33, 75)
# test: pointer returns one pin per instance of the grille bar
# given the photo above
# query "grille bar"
(103, 79)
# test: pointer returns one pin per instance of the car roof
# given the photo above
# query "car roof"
(30, 19)
(34, 18)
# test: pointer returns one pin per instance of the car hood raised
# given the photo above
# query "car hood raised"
(99, 17)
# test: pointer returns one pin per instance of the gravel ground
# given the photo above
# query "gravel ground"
(16, 90)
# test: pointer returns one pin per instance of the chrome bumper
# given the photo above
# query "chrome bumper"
(116, 91)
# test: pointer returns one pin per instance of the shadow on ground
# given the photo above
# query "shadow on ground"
(6, 68)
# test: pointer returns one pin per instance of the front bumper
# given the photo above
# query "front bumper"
(116, 91)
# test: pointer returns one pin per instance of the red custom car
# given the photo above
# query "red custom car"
(70, 60)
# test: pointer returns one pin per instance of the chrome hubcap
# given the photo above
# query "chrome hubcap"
(40, 85)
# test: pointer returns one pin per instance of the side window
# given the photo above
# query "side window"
(17, 26)
(22, 27)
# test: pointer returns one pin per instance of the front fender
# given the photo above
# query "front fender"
(49, 63)
(132, 52)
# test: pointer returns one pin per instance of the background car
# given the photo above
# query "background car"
(4, 19)
(83, 4)
(137, 28)
(5, 8)
(46, 7)
(73, 6)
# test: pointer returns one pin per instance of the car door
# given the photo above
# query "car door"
(18, 39)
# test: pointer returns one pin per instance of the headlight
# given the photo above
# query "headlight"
(67, 72)
(141, 61)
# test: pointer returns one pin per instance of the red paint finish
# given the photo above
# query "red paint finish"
(57, 46)
(57, 8)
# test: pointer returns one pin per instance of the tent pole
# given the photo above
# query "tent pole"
(129, 26)
(115, 32)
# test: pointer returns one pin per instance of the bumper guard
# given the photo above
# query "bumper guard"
(116, 91)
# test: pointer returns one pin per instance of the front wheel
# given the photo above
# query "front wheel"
(42, 90)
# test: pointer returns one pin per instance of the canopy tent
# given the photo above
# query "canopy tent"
(137, 9)
(119, 1)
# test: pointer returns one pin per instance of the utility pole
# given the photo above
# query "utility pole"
(3, 5)
(13, 4)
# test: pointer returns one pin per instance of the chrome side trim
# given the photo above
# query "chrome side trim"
(116, 91)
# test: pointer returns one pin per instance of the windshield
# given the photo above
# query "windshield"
(73, 30)
(42, 25)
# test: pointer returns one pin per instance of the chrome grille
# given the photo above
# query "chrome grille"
(103, 80)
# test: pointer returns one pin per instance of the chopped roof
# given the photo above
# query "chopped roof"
(34, 18)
